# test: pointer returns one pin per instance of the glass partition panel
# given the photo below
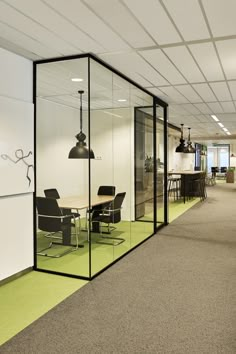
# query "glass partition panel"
(61, 242)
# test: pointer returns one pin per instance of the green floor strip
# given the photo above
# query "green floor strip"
(27, 298)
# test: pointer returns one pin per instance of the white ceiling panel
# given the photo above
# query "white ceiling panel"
(183, 60)
(191, 27)
(191, 108)
(158, 93)
(154, 18)
(189, 93)
(203, 108)
(228, 107)
(37, 33)
(161, 63)
(232, 86)
(89, 22)
(205, 53)
(221, 16)
(179, 109)
(25, 41)
(205, 92)
(120, 19)
(221, 91)
(50, 19)
(203, 119)
(135, 63)
(227, 53)
(215, 107)
(173, 94)
(230, 117)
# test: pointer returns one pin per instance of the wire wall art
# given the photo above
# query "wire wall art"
(20, 157)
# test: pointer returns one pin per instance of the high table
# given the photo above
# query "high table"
(186, 177)
(78, 202)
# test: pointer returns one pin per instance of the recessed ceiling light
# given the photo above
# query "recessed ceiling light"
(76, 79)
(121, 100)
(225, 129)
(215, 118)
(221, 125)
(228, 133)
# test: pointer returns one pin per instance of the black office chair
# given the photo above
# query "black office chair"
(53, 193)
(52, 220)
(111, 214)
(102, 190)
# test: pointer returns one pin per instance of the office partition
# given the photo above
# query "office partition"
(104, 156)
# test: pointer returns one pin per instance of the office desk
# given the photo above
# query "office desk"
(186, 176)
(81, 202)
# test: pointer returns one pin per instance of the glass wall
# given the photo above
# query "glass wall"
(218, 156)
(105, 201)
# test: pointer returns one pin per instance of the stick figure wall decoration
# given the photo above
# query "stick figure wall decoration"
(20, 157)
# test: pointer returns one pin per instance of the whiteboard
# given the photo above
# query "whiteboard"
(16, 147)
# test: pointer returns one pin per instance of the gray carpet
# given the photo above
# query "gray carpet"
(174, 294)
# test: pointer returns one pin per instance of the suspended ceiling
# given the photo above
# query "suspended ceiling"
(183, 51)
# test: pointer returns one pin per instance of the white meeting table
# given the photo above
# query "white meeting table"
(79, 202)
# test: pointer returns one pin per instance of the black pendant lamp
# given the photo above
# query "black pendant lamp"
(181, 146)
(189, 149)
(80, 150)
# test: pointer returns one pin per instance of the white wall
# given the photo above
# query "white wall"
(178, 161)
(16, 212)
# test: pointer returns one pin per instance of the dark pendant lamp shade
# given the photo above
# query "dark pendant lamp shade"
(189, 149)
(80, 150)
(181, 146)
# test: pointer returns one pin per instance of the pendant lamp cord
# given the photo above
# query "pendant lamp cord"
(81, 122)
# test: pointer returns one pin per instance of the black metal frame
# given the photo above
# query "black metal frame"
(156, 101)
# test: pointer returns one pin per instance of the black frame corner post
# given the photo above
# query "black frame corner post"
(154, 166)
(89, 173)
(166, 216)
(35, 168)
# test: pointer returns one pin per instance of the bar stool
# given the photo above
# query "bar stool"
(174, 185)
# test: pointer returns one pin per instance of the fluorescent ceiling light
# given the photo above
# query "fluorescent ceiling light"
(112, 114)
(76, 79)
(215, 118)
(225, 129)
(228, 133)
(221, 125)
(121, 100)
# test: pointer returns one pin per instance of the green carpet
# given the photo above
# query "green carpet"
(27, 298)
(77, 262)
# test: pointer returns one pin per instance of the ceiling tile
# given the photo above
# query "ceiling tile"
(154, 18)
(189, 93)
(120, 19)
(232, 86)
(227, 53)
(161, 63)
(215, 107)
(203, 108)
(183, 60)
(179, 109)
(44, 15)
(229, 117)
(90, 23)
(158, 93)
(134, 63)
(25, 41)
(203, 119)
(228, 107)
(191, 108)
(38, 35)
(173, 94)
(205, 92)
(191, 27)
(221, 91)
(221, 16)
(205, 53)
